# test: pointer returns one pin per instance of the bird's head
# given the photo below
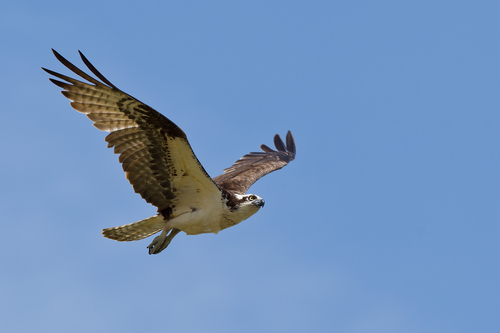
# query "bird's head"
(247, 205)
(255, 200)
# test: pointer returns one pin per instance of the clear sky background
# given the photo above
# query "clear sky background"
(387, 221)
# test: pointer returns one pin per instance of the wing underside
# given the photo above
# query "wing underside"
(154, 152)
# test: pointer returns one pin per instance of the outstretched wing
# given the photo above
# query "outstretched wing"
(155, 153)
(251, 167)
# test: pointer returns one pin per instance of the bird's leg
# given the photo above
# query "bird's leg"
(161, 242)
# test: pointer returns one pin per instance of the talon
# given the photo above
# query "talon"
(161, 242)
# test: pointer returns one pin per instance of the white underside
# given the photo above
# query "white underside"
(198, 221)
(198, 206)
(212, 219)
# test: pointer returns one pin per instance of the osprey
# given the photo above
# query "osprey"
(161, 166)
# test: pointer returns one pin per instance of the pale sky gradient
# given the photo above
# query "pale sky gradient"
(387, 221)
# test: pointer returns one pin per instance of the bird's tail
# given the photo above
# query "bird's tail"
(137, 230)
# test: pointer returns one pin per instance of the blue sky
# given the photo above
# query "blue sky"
(387, 221)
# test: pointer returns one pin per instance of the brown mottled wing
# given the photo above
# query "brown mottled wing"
(154, 152)
(248, 169)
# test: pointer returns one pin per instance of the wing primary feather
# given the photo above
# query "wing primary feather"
(60, 84)
(266, 148)
(69, 79)
(280, 145)
(75, 69)
(95, 71)
(290, 143)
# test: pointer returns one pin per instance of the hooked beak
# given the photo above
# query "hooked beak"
(260, 203)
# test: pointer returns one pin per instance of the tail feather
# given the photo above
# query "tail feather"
(137, 230)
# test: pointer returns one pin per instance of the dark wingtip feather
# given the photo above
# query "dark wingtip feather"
(290, 143)
(280, 145)
(60, 84)
(63, 60)
(95, 71)
(49, 71)
(266, 148)
(56, 53)
(74, 69)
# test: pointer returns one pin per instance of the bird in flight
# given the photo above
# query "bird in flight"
(161, 166)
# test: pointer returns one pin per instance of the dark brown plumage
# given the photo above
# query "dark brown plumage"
(248, 169)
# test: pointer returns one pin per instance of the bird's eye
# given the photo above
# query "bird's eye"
(252, 197)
